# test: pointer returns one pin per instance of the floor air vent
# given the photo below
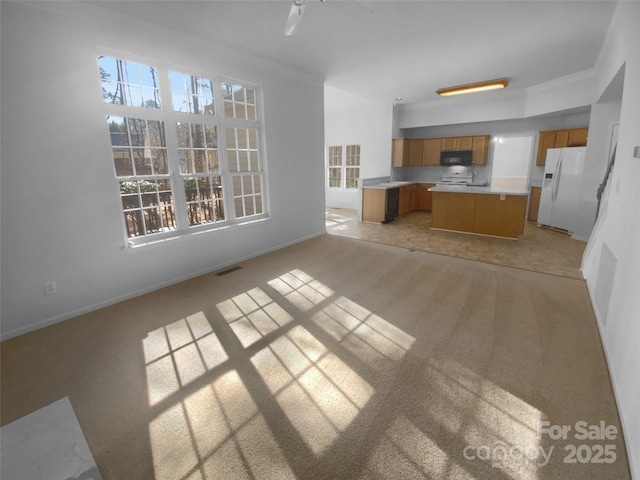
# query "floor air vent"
(228, 270)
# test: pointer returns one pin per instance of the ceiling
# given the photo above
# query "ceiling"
(407, 49)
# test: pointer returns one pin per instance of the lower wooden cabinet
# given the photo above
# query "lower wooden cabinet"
(374, 204)
(534, 203)
(404, 201)
(375, 201)
(421, 197)
(482, 213)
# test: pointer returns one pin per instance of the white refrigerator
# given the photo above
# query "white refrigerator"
(561, 187)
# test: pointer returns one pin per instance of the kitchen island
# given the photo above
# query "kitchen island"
(498, 212)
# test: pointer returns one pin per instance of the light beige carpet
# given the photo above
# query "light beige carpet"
(332, 359)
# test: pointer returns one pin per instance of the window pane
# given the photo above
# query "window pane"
(247, 197)
(118, 131)
(242, 150)
(351, 177)
(160, 163)
(204, 200)
(335, 155)
(147, 207)
(129, 83)
(353, 155)
(122, 161)
(191, 94)
(212, 157)
(239, 102)
(335, 177)
(211, 136)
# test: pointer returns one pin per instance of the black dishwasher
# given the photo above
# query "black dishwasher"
(393, 197)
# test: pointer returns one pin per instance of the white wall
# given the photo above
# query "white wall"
(511, 162)
(603, 115)
(565, 93)
(354, 120)
(619, 228)
(60, 207)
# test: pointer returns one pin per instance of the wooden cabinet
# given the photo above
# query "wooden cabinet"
(500, 215)
(574, 137)
(562, 139)
(457, 143)
(481, 213)
(415, 196)
(426, 151)
(431, 152)
(578, 137)
(421, 197)
(546, 141)
(400, 152)
(480, 149)
(453, 211)
(415, 151)
(534, 203)
(374, 204)
(381, 205)
(404, 200)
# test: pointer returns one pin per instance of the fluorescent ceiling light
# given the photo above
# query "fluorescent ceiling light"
(473, 87)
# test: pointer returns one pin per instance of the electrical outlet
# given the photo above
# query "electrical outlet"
(50, 287)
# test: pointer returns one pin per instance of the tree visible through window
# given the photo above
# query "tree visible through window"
(343, 166)
(181, 167)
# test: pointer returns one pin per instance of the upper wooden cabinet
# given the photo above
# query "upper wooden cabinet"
(574, 137)
(415, 151)
(578, 137)
(431, 152)
(457, 143)
(400, 152)
(426, 151)
(480, 149)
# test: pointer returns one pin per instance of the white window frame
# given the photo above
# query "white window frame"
(171, 118)
(343, 166)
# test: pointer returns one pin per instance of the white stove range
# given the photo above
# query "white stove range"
(456, 179)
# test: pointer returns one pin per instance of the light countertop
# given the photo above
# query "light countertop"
(388, 185)
(487, 190)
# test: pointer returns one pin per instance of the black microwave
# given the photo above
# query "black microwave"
(456, 157)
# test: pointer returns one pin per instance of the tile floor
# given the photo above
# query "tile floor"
(539, 249)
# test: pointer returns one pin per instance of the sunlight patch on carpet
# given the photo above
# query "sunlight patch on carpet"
(179, 353)
(319, 394)
(216, 432)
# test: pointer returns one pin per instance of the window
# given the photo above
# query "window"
(200, 171)
(192, 94)
(129, 83)
(335, 167)
(140, 159)
(352, 166)
(186, 148)
(244, 168)
(343, 168)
